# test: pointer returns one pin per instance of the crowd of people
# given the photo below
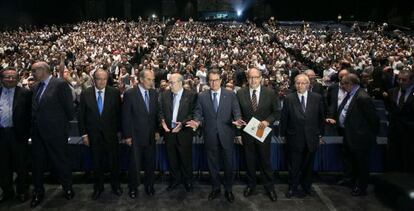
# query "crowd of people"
(149, 78)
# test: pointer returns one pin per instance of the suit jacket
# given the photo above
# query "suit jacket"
(268, 108)
(137, 123)
(52, 114)
(92, 123)
(403, 117)
(219, 123)
(185, 113)
(22, 105)
(332, 101)
(361, 122)
(303, 128)
(318, 88)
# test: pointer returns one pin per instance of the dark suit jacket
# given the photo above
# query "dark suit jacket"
(219, 123)
(92, 123)
(361, 122)
(303, 128)
(318, 88)
(267, 109)
(332, 101)
(54, 111)
(22, 105)
(185, 113)
(137, 123)
(402, 118)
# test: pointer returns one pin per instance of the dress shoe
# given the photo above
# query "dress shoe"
(307, 190)
(248, 192)
(149, 190)
(6, 197)
(36, 199)
(188, 187)
(69, 194)
(172, 186)
(295, 193)
(213, 194)
(272, 195)
(358, 192)
(345, 182)
(96, 194)
(23, 197)
(133, 194)
(229, 196)
(117, 191)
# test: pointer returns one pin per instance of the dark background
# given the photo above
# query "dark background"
(15, 12)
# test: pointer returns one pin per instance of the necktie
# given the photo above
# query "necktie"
(173, 110)
(39, 91)
(100, 103)
(302, 103)
(343, 103)
(215, 102)
(254, 100)
(5, 119)
(146, 100)
(402, 98)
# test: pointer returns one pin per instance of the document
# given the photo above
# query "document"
(253, 130)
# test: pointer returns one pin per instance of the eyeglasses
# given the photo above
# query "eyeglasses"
(254, 77)
(214, 80)
(301, 83)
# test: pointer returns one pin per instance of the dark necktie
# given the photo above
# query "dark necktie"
(39, 91)
(215, 102)
(343, 103)
(402, 98)
(146, 100)
(254, 100)
(302, 103)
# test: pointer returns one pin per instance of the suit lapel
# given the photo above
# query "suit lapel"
(410, 98)
(46, 90)
(15, 97)
(351, 104)
(210, 99)
(107, 101)
(262, 97)
(141, 99)
(247, 98)
(222, 100)
(183, 101)
(298, 105)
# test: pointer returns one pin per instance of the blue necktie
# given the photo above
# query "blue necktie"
(39, 91)
(215, 102)
(146, 100)
(100, 103)
(6, 118)
(173, 107)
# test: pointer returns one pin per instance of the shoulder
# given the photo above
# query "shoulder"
(314, 95)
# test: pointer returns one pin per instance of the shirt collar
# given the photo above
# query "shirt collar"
(142, 89)
(102, 90)
(47, 80)
(304, 94)
(179, 93)
(257, 89)
(218, 92)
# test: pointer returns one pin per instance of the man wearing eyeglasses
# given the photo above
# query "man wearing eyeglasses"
(263, 104)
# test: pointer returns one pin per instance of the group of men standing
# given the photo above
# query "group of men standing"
(177, 113)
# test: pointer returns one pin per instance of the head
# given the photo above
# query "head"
(100, 78)
(349, 81)
(176, 82)
(311, 75)
(302, 83)
(41, 70)
(146, 79)
(405, 78)
(254, 76)
(214, 79)
(9, 78)
(342, 73)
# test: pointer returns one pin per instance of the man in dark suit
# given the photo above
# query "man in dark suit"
(15, 108)
(399, 102)
(140, 125)
(176, 108)
(334, 97)
(99, 123)
(314, 85)
(216, 111)
(302, 125)
(263, 104)
(359, 123)
(52, 109)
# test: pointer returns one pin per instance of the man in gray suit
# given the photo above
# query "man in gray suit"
(217, 111)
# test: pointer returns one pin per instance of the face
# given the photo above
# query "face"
(346, 86)
(175, 83)
(254, 78)
(148, 81)
(214, 81)
(39, 73)
(9, 78)
(404, 80)
(312, 77)
(101, 79)
(341, 74)
(301, 84)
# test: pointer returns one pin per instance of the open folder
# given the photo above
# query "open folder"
(252, 128)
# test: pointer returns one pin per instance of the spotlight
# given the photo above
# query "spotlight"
(239, 13)
(154, 16)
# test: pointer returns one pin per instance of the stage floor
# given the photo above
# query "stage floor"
(326, 196)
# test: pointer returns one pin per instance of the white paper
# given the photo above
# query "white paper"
(251, 129)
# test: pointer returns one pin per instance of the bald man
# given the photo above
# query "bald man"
(52, 109)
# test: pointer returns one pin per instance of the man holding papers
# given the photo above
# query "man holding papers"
(302, 126)
(260, 107)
